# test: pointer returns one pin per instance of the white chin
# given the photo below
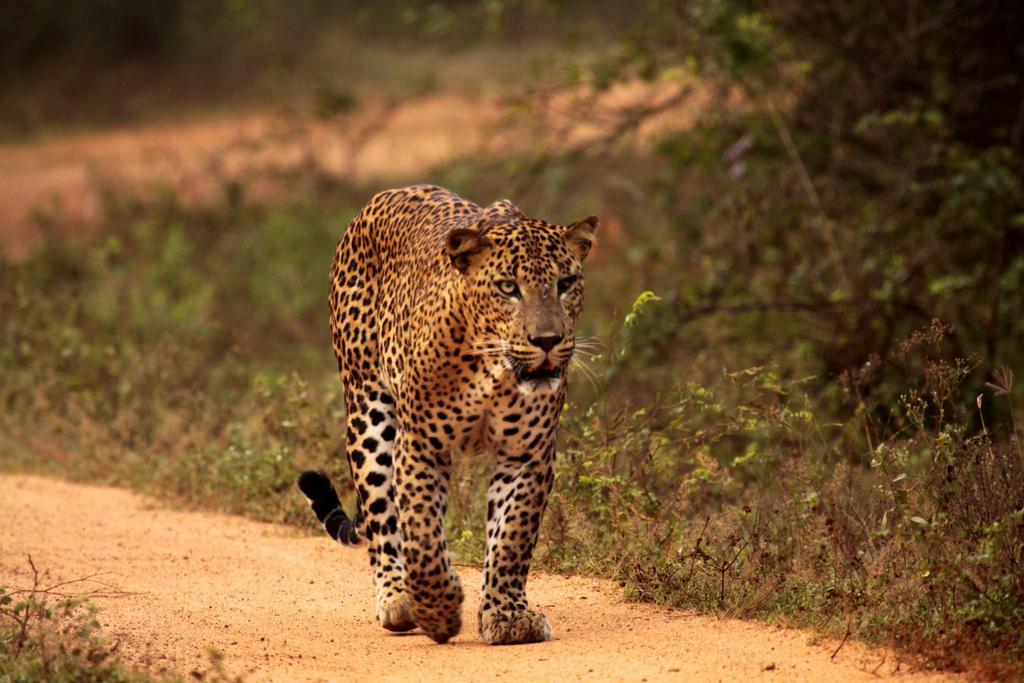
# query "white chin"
(528, 387)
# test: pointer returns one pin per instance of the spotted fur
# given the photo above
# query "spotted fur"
(453, 329)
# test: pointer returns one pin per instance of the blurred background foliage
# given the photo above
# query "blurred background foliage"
(808, 301)
(120, 61)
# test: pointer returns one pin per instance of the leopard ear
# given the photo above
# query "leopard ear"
(580, 236)
(466, 248)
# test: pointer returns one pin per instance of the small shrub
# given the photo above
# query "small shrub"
(45, 636)
(740, 498)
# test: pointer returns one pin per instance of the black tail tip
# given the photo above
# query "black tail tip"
(314, 485)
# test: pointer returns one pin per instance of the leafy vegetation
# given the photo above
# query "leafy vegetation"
(811, 414)
(743, 497)
(50, 632)
(47, 636)
(838, 246)
(168, 355)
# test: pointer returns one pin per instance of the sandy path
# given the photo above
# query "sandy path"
(196, 158)
(289, 608)
(377, 143)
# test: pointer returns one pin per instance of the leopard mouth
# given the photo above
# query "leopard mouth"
(543, 372)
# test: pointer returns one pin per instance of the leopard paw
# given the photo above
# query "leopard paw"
(519, 626)
(395, 614)
(442, 630)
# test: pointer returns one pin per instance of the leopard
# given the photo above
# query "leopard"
(453, 326)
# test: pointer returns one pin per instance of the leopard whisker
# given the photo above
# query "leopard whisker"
(587, 372)
(592, 341)
(490, 347)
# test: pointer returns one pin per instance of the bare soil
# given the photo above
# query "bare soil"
(286, 607)
(195, 159)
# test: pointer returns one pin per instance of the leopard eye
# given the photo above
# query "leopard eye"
(566, 283)
(508, 287)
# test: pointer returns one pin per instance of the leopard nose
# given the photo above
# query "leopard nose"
(546, 343)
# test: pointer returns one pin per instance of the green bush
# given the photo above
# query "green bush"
(48, 638)
(743, 498)
(148, 357)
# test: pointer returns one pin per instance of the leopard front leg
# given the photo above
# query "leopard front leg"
(422, 471)
(516, 500)
(372, 430)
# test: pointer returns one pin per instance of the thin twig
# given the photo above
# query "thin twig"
(849, 629)
(38, 589)
(812, 194)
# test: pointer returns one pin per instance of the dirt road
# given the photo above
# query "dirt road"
(378, 143)
(195, 159)
(290, 608)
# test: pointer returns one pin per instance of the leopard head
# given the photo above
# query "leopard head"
(522, 281)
